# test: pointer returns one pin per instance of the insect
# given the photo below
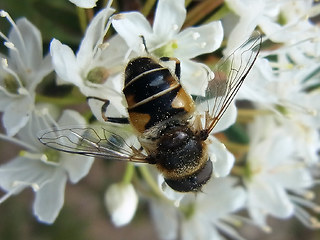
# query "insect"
(172, 135)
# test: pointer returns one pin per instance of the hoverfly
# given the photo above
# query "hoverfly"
(172, 134)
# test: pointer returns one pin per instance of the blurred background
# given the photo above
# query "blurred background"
(84, 215)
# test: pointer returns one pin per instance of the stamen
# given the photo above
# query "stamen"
(23, 91)
(305, 217)
(34, 186)
(11, 73)
(309, 195)
(29, 155)
(10, 20)
(4, 62)
(10, 45)
(176, 203)
(315, 222)
(18, 142)
(266, 229)
(305, 203)
(314, 10)
(3, 13)
(6, 196)
(228, 230)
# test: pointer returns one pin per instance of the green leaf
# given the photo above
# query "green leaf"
(237, 133)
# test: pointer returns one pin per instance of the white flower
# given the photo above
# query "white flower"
(20, 73)
(45, 170)
(285, 90)
(278, 180)
(97, 67)
(201, 216)
(165, 39)
(281, 21)
(256, 86)
(84, 3)
(121, 201)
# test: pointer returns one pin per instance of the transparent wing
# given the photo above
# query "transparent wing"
(93, 141)
(230, 72)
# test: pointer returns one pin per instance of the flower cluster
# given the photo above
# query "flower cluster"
(264, 151)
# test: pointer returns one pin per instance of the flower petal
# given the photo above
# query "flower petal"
(221, 158)
(30, 47)
(195, 41)
(231, 198)
(65, 63)
(270, 198)
(84, 3)
(169, 18)
(293, 177)
(94, 37)
(228, 118)
(21, 172)
(164, 216)
(194, 77)
(49, 199)
(130, 27)
(76, 166)
(17, 114)
(121, 201)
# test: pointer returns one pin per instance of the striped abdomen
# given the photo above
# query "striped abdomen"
(153, 94)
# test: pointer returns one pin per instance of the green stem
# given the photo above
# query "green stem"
(224, 10)
(238, 171)
(60, 101)
(187, 2)
(201, 11)
(82, 19)
(150, 180)
(128, 175)
(147, 7)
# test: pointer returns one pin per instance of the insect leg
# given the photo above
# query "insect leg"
(120, 120)
(178, 67)
(144, 44)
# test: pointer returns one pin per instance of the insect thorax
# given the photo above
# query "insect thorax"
(175, 148)
(179, 154)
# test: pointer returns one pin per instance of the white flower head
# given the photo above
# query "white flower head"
(166, 39)
(121, 201)
(20, 72)
(200, 216)
(278, 181)
(45, 170)
(282, 21)
(97, 67)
